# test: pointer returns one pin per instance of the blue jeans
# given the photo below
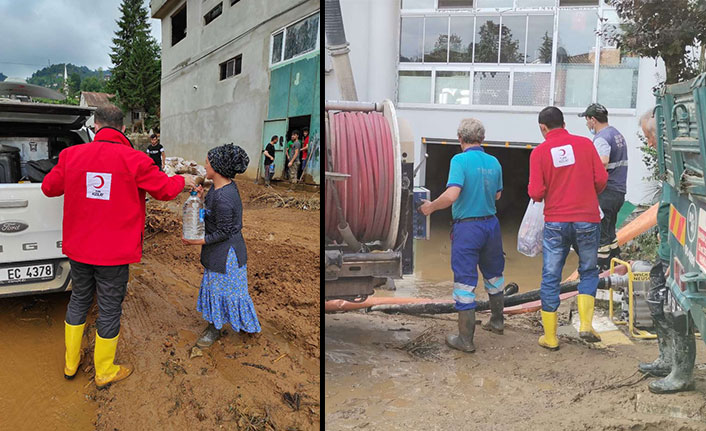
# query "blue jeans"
(476, 244)
(558, 238)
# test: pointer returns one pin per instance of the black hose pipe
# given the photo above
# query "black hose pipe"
(446, 308)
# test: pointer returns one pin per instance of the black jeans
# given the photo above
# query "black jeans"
(110, 285)
(610, 202)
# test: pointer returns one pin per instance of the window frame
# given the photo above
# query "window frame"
(223, 67)
(186, 24)
(206, 20)
(283, 30)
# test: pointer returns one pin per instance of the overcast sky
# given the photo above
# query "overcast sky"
(35, 32)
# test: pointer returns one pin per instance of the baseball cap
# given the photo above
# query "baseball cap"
(595, 110)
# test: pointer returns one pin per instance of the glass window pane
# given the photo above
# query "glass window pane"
(536, 3)
(417, 4)
(277, 48)
(301, 37)
(487, 34)
(411, 39)
(229, 68)
(578, 2)
(455, 4)
(461, 49)
(452, 88)
(491, 88)
(540, 37)
(610, 28)
(436, 40)
(512, 43)
(617, 79)
(493, 3)
(531, 88)
(415, 86)
(575, 57)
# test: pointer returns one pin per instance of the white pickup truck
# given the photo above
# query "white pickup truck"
(31, 135)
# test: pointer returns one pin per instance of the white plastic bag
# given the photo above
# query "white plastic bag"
(531, 233)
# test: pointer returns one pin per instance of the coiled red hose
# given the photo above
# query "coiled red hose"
(362, 148)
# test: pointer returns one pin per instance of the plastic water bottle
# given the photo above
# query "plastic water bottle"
(193, 217)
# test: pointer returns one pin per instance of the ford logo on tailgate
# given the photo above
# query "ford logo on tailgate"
(12, 226)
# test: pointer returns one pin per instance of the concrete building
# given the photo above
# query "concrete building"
(506, 60)
(239, 71)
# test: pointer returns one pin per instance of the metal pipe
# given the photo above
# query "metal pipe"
(338, 47)
(347, 105)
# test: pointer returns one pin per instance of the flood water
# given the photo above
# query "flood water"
(33, 392)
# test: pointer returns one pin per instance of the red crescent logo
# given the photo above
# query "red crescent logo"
(102, 182)
(562, 152)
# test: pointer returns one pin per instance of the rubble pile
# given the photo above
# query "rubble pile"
(177, 165)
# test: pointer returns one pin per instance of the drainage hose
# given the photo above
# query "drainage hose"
(510, 301)
(362, 147)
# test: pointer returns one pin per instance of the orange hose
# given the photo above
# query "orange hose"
(343, 305)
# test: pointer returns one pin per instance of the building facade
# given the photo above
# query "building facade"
(500, 61)
(239, 71)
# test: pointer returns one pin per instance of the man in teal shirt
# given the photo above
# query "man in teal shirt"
(475, 183)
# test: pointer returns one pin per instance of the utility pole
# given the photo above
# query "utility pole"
(66, 83)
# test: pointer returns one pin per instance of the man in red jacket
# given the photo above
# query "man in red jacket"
(567, 173)
(104, 184)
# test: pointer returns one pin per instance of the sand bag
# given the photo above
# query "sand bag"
(531, 233)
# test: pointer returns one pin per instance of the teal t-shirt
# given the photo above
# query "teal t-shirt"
(480, 178)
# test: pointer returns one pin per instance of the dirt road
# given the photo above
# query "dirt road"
(269, 381)
(509, 383)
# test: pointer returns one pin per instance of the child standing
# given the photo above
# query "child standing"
(224, 297)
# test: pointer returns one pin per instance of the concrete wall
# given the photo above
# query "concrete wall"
(372, 29)
(198, 111)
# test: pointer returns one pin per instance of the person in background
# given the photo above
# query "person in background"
(293, 155)
(304, 152)
(269, 160)
(475, 183)
(156, 152)
(567, 174)
(104, 184)
(613, 152)
(677, 347)
(223, 297)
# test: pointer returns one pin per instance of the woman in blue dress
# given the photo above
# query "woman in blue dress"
(224, 297)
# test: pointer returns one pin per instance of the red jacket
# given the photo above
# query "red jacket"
(567, 173)
(104, 184)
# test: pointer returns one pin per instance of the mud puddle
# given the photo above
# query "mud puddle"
(509, 383)
(33, 389)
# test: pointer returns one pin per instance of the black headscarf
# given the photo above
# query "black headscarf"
(228, 160)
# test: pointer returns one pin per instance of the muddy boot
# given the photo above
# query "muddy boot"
(662, 366)
(466, 327)
(73, 334)
(680, 378)
(496, 323)
(585, 305)
(107, 372)
(208, 336)
(549, 321)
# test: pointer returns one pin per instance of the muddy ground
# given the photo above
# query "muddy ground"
(266, 381)
(509, 383)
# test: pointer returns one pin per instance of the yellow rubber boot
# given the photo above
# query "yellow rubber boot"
(104, 355)
(549, 340)
(73, 334)
(586, 332)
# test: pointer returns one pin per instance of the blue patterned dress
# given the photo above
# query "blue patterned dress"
(224, 298)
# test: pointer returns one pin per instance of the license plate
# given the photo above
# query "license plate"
(21, 274)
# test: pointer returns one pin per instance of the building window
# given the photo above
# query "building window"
(491, 88)
(213, 14)
(231, 67)
(512, 39)
(540, 37)
(436, 43)
(492, 4)
(576, 52)
(487, 34)
(295, 40)
(417, 4)
(535, 3)
(179, 25)
(234, 2)
(531, 88)
(455, 4)
(411, 41)
(135, 115)
(415, 86)
(452, 88)
(617, 72)
(578, 2)
(461, 40)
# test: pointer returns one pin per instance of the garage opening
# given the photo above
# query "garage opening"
(433, 256)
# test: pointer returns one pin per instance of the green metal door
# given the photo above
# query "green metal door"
(278, 128)
(302, 84)
(279, 92)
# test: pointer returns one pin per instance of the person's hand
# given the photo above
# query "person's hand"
(425, 207)
(199, 190)
(189, 182)
(192, 241)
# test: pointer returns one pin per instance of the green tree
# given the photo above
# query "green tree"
(663, 29)
(93, 83)
(74, 83)
(135, 79)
